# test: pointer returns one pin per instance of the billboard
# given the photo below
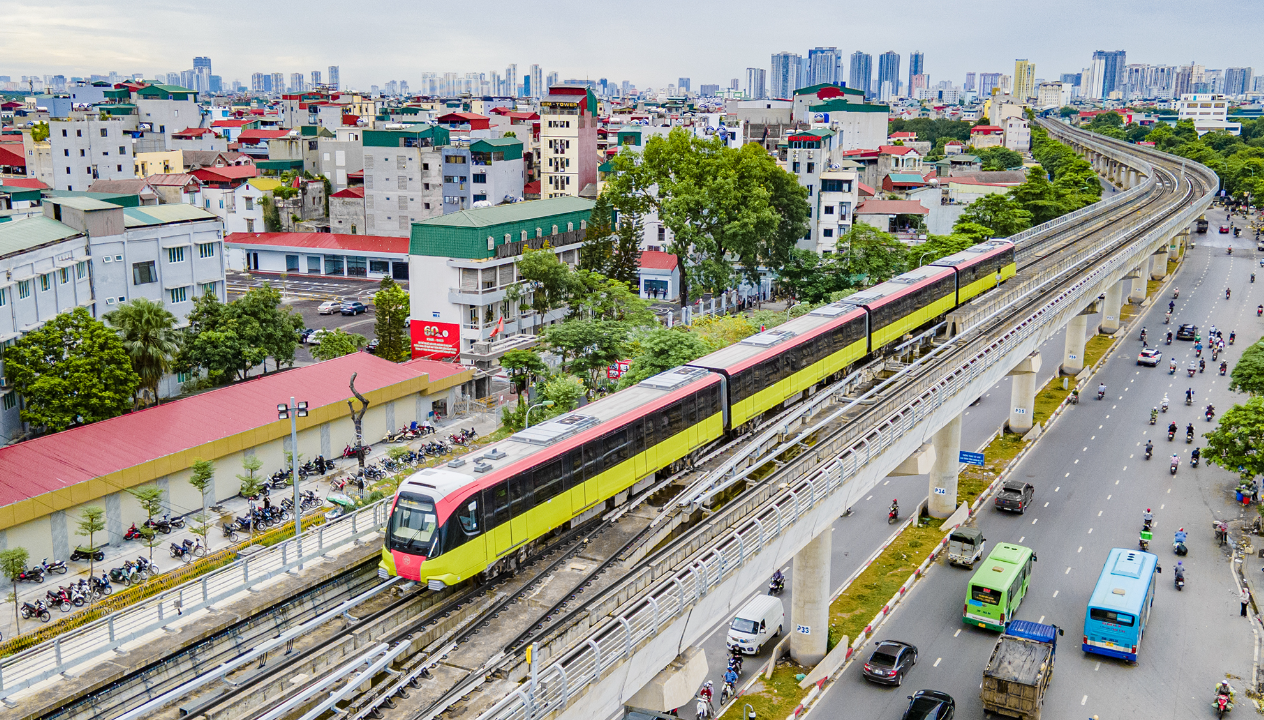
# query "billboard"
(435, 340)
(616, 371)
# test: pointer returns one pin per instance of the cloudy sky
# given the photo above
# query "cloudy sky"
(648, 42)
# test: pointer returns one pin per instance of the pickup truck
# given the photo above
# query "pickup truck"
(1019, 670)
(1015, 496)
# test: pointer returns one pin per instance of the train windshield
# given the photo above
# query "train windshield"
(414, 525)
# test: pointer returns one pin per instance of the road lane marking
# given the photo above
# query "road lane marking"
(1068, 571)
(1107, 417)
(1067, 475)
(1046, 504)
(1042, 619)
(1116, 482)
(1057, 488)
(1077, 462)
(1097, 667)
(1021, 539)
(936, 662)
(1084, 699)
(1107, 497)
(868, 498)
(957, 633)
(1034, 520)
(1099, 513)
(1099, 427)
(1169, 491)
(1081, 549)
(1090, 531)
(1112, 407)
(887, 482)
(1055, 593)
(1085, 449)
(1162, 506)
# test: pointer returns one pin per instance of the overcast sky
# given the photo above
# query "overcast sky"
(648, 42)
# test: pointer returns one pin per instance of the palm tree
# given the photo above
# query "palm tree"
(149, 336)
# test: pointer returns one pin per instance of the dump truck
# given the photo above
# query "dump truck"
(1019, 670)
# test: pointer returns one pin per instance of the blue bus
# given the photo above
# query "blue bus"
(1119, 609)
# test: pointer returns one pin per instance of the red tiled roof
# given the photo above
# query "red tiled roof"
(228, 172)
(436, 369)
(656, 260)
(903, 136)
(895, 150)
(172, 179)
(328, 241)
(255, 136)
(12, 154)
(234, 123)
(28, 182)
(986, 128)
(55, 462)
(860, 153)
(356, 192)
(865, 189)
(531, 188)
(891, 207)
(193, 133)
(357, 175)
(954, 142)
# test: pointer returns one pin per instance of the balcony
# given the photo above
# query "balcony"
(485, 352)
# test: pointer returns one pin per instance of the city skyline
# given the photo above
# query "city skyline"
(100, 37)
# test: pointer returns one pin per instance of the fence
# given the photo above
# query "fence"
(104, 635)
(626, 626)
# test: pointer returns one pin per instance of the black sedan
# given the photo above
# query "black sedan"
(1186, 331)
(890, 662)
(930, 705)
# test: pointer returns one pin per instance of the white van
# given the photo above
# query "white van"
(758, 620)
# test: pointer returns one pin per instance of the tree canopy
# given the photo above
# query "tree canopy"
(1248, 373)
(999, 158)
(149, 337)
(390, 310)
(228, 339)
(1237, 439)
(336, 343)
(662, 349)
(730, 210)
(72, 371)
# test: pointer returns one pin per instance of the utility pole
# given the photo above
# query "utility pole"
(293, 412)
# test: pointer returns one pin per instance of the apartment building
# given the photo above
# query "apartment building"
(235, 196)
(84, 151)
(568, 141)
(1208, 112)
(811, 155)
(482, 171)
(339, 155)
(403, 178)
(834, 206)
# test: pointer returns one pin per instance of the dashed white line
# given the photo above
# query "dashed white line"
(1057, 488)
(1046, 504)
(1090, 531)
(936, 662)
(1081, 549)
(1021, 539)
(957, 633)
(1068, 571)
(1099, 513)
(1084, 699)
(868, 498)
(1055, 593)
(1035, 520)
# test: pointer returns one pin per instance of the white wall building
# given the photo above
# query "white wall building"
(1208, 112)
(84, 151)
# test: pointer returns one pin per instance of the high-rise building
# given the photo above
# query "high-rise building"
(550, 80)
(708, 90)
(861, 75)
(511, 80)
(1106, 73)
(987, 83)
(568, 140)
(1237, 81)
(260, 83)
(315, 78)
(1024, 79)
(920, 81)
(756, 87)
(1069, 79)
(888, 75)
(783, 79)
(917, 66)
(683, 85)
(824, 66)
(333, 77)
(202, 62)
(296, 82)
(278, 83)
(734, 84)
(536, 75)
(969, 82)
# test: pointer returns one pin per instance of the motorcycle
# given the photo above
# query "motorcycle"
(1149, 452)
(133, 533)
(1179, 581)
(101, 586)
(1180, 549)
(146, 567)
(57, 566)
(1101, 394)
(187, 550)
(776, 585)
(1171, 434)
(893, 515)
(37, 610)
(1175, 465)
(1210, 414)
(126, 575)
(1154, 416)
(1191, 372)
(1193, 461)
(34, 575)
(1171, 369)
(160, 525)
(59, 599)
(1222, 704)
(1189, 438)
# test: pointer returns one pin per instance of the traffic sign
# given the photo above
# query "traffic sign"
(970, 458)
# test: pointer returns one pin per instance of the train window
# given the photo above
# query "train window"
(413, 525)
(520, 493)
(547, 480)
(592, 459)
(497, 501)
(468, 516)
(690, 410)
(616, 447)
(636, 437)
(664, 427)
(675, 415)
(574, 467)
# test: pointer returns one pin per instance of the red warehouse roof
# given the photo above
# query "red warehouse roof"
(326, 241)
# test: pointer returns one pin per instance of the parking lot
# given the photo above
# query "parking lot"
(305, 295)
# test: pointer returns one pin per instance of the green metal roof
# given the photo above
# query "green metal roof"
(19, 193)
(514, 212)
(511, 147)
(837, 105)
(466, 234)
(80, 201)
(279, 164)
(395, 138)
(22, 235)
(814, 88)
(906, 178)
(163, 214)
(165, 92)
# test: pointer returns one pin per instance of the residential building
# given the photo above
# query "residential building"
(1208, 112)
(139, 187)
(176, 188)
(917, 66)
(987, 83)
(403, 178)
(469, 259)
(199, 138)
(84, 151)
(969, 84)
(153, 163)
(1106, 73)
(659, 276)
(228, 193)
(333, 77)
(857, 125)
(487, 171)
(568, 141)
(1017, 134)
(834, 207)
(1024, 80)
(330, 254)
(340, 155)
(346, 211)
(39, 158)
(824, 66)
(756, 84)
(1237, 81)
(860, 76)
(1053, 95)
(985, 136)
(784, 76)
(888, 76)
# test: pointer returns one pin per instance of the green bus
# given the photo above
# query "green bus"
(998, 586)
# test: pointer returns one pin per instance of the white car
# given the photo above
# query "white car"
(314, 338)
(329, 307)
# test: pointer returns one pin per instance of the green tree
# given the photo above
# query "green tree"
(251, 484)
(727, 208)
(938, 246)
(1039, 197)
(39, 132)
(1248, 373)
(271, 216)
(999, 158)
(150, 499)
(811, 277)
(268, 324)
(523, 366)
(202, 478)
(998, 212)
(565, 392)
(1234, 444)
(149, 336)
(871, 254)
(625, 252)
(13, 563)
(598, 247)
(1104, 120)
(336, 343)
(1067, 111)
(228, 340)
(598, 297)
(587, 347)
(547, 277)
(91, 522)
(391, 308)
(661, 350)
(72, 371)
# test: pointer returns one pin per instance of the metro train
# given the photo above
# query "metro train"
(480, 515)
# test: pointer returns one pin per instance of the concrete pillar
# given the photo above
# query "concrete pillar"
(1138, 291)
(1073, 354)
(1023, 393)
(1158, 264)
(810, 605)
(1110, 310)
(943, 475)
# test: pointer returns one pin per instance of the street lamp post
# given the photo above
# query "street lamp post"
(526, 423)
(293, 412)
(793, 306)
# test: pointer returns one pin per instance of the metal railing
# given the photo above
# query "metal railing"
(106, 634)
(621, 630)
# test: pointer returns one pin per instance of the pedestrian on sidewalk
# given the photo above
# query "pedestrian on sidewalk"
(1245, 599)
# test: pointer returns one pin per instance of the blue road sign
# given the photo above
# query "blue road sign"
(971, 458)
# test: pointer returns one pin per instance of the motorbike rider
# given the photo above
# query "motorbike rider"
(1176, 460)
(778, 579)
(1195, 454)
(1147, 519)
(1154, 415)
(1180, 570)
(1172, 365)
(1149, 448)
(895, 507)
(1171, 428)
(1224, 688)
(1227, 289)
(1202, 365)
(730, 678)
(1233, 335)
(1189, 394)
(1143, 335)
(1164, 404)
(1101, 390)
(1189, 430)
(1171, 305)
(1179, 537)
(705, 692)
(1169, 337)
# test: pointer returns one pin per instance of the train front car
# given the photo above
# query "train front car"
(981, 267)
(777, 365)
(482, 513)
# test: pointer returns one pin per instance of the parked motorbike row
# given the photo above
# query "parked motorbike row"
(411, 432)
(134, 572)
(36, 573)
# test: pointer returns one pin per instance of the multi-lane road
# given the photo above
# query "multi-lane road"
(1092, 485)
